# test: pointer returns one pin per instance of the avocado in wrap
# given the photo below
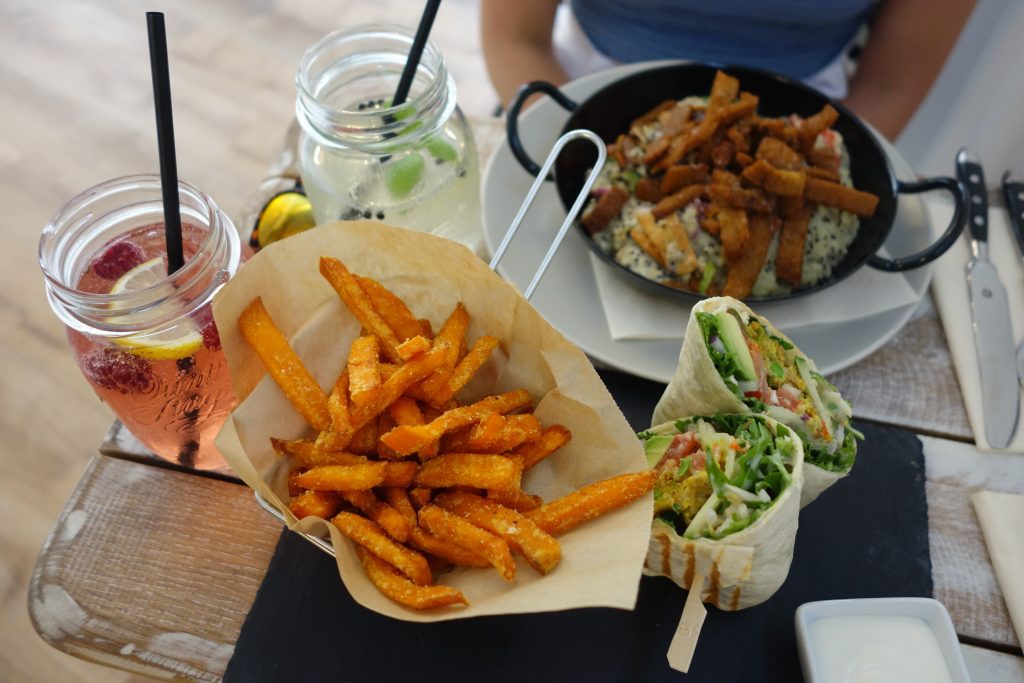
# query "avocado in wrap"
(726, 505)
(735, 361)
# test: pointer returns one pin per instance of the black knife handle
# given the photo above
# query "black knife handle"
(1013, 195)
(972, 177)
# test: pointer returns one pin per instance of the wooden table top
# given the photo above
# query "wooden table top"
(153, 569)
(139, 571)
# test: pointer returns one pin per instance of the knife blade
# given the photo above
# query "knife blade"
(990, 311)
(1013, 197)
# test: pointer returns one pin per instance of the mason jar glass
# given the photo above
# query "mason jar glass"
(413, 165)
(146, 340)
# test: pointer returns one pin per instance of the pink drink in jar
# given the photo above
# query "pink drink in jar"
(146, 340)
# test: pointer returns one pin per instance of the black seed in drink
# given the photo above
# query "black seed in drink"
(380, 215)
(186, 365)
(438, 160)
(461, 173)
(188, 452)
(350, 214)
(367, 213)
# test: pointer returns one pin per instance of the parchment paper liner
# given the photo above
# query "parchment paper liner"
(743, 569)
(697, 388)
(601, 561)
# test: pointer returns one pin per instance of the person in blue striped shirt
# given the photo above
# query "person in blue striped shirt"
(879, 56)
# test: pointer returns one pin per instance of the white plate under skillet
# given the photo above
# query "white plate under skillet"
(568, 297)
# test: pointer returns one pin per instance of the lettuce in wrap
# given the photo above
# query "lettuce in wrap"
(735, 361)
(726, 503)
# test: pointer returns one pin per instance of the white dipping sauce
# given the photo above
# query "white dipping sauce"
(876, 649)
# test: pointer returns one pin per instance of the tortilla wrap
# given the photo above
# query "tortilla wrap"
(743, 569)
(697, 388)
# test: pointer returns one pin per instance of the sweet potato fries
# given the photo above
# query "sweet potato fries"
(417, 480)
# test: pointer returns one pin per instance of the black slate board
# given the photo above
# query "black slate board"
(867, 536)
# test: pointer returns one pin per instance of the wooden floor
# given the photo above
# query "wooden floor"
(75, 106)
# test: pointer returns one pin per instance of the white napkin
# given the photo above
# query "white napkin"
(633, 313)
(949, 285)
(1001, 516)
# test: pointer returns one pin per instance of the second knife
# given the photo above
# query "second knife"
(1013, 197)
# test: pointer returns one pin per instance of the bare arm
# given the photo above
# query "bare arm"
(909, 43)
(517, 44)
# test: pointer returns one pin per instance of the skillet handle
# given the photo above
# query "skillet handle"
(941, 245)
(525, 92)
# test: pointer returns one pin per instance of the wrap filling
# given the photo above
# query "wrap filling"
(718, 475)
(770, 376)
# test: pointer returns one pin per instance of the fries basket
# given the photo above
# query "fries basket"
(581, 198)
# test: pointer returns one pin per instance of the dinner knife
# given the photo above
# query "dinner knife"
(1013, 197)
(990, 311)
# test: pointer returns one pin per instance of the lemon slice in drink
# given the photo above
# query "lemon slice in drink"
(178, 342)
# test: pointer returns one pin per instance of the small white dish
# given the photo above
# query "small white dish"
(814, 651)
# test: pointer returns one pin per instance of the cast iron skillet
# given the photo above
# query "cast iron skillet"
(610, 111)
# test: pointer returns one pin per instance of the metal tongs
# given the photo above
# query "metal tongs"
(574, 211)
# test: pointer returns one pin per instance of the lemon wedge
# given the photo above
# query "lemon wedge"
(180, 341)
(285, 215)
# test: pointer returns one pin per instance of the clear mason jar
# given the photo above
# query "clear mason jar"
(146, 340)
(414, 165)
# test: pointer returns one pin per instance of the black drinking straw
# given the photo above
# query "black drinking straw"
(413, 60)
(165, 139)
